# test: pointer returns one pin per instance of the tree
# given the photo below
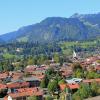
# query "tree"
(78, 73)
(84, 91)
(33, 98)
(49, 73)
(42, 59)
(11, 68)
(76, 66)
(98, 91)
(30, 61)
(1, 68)
(56, 58)
(52, 86)
(48, 98)
(61, 60)
(94, 88)
(44, 82)
(76, 96)
(92, 75)
(57, 76)
(61, 81)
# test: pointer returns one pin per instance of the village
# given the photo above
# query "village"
(53, 81)
(49, 49)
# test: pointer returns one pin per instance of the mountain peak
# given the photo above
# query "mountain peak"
(75, 15)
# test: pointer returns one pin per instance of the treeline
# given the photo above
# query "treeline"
(14, 56)
(40, 53)
(30, 48)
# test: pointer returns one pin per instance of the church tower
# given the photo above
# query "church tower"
(74, 54)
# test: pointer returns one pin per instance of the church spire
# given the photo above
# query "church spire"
(74, 54)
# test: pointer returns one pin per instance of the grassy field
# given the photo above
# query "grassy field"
(9, 56)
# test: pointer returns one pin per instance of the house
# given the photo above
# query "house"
(3, 86)
(15, 76)
(97, 68)
(74, 80)
(39, 74)
(4, 75)
(62, 86)
(33, 81)
(36, 71)
(24, 93)
(30, 68)
(66, 71)
(17, 85)
(89, 81)
(73, 86)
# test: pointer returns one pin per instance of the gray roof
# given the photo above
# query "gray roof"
(18, 80)
(30, 79)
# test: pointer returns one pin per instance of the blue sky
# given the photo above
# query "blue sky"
(17, 13)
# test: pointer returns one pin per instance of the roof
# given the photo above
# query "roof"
(26, 92)
(32, 78)
(30, 68)
(62, 86)
(66, 71)
(91, 80)
(91, 59)
(73, 86)
(2, 86)
(35, 76)
(74, 80)
(3, 75)
(40, 76)
(70, 81)
(97, 67)
(18, 85)
(16, 76)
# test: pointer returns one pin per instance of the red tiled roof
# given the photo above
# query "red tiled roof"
(73, 86)
(40, 77)
(18, 85)
(92, 58)
(40, 68)
(3, 75)
(97, 67)
(27, 92)
(62, 86)
(91, 80)
(30, 68)
(2, 86)
(66, 71)
(17, 75)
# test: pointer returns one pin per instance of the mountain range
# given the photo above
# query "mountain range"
(75, 28)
